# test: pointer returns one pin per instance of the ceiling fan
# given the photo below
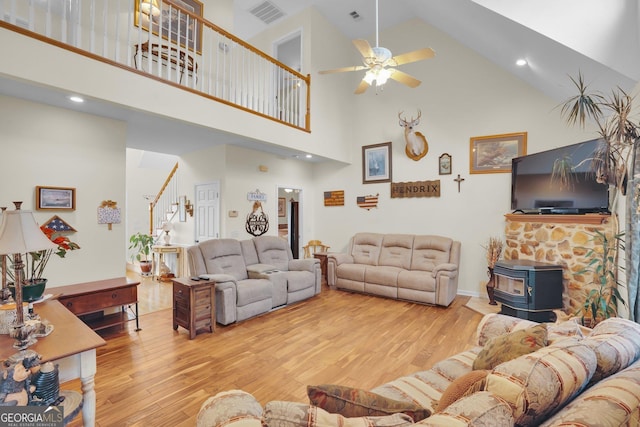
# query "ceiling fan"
(379, 63)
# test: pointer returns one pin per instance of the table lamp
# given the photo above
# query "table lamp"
(19, 233)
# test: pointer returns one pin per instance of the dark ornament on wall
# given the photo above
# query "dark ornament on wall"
(257, 221)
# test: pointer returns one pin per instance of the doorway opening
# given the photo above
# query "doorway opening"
(290, 217)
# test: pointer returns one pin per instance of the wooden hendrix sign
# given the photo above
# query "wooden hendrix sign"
(415, 189)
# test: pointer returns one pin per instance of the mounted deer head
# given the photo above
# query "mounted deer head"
(416, 144)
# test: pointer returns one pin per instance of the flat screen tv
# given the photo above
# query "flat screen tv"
(534, 191)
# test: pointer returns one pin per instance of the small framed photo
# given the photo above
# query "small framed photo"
(282, 206)
(376, 163)
(60, 198)
(444, 164)
(493, 153)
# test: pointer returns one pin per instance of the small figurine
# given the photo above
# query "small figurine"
(15, 385)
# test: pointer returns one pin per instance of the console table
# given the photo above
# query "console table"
(89, 300)
(72, 345)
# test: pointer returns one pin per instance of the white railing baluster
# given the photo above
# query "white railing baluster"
(179, 47)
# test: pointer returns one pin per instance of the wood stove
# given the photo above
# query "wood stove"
(528, 289)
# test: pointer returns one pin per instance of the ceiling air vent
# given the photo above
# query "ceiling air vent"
(267, 12)
(355, 15)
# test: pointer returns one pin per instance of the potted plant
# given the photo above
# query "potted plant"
(141, 243)
(35, 262)
(602, 300)
(614, 165)
(493, 252)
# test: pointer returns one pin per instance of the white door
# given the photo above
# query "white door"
(207, 211)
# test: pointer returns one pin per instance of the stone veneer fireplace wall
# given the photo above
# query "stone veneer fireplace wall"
(558, 239)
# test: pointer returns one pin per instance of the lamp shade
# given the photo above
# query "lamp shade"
(19, 233)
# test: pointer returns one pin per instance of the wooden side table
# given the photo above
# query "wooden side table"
(322, 256)
(194, 305)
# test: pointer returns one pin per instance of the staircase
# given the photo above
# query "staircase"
(165, 208)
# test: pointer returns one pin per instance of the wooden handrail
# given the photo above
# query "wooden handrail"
(153, 204)
(221, 31)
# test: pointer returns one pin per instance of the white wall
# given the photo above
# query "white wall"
(48, 146)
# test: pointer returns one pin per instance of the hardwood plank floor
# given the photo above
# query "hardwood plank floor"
(158, 377)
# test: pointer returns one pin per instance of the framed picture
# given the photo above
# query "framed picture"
(282, 206)
(55, 198)
(493, 154)
(444, 164)
(376, 163)
(172, 23)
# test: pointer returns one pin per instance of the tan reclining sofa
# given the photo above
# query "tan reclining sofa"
(253, 276)
(419, 268)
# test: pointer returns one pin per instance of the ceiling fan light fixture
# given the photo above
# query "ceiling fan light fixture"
(383, 76)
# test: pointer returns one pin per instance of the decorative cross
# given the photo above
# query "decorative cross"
(459, 180)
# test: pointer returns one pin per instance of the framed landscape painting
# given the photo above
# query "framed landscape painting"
(493, 153)
(55, 198)
(376, 163)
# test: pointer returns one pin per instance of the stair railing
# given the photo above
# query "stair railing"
(164, 206)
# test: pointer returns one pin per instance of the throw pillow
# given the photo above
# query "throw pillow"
(353, 402)
(463, 386)
(506, 347)
(291, 414)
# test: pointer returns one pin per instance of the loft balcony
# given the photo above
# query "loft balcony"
(169, 42)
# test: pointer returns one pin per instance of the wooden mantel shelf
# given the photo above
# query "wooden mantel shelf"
(560, 219)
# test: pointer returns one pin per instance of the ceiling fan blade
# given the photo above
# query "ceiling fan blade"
(404, 78)
(416, 55)
(344, 69)
(364, 48)
(362, 87)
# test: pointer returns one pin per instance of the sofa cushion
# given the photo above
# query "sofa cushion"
(224, 256)
(298, 280)
(353, 272)
(480, 409)
(416, 280)
(616, 342)
(382, 275)
(396, 250)
(614, 401)
(249, 252)
(233, 408)
(365, 248)
(429, 251)
(353, 402)
(291, 414)
(463, 386)
(274, 251)
(253, 290)
(509, 346)
(538, 383)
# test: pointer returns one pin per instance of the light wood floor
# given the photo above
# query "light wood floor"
(158, 377)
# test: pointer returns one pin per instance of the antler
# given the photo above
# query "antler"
(402, 121)
(405, 122)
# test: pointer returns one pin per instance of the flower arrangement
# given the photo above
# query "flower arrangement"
(35, 262)
(493, 250)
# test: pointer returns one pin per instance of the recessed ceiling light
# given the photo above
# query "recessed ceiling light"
(76, 99)
(308, 156)
(521, 62)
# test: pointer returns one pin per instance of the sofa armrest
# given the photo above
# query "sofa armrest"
(495, 324)
(307, 264)
(219, 278)
(448, 269)
(339, 258)
(229, 409)
(260, 269)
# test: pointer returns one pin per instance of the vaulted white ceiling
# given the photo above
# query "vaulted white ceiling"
(599, 38)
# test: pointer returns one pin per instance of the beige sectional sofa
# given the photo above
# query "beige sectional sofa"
(577, 377)
(419, 268)
(253, 276)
